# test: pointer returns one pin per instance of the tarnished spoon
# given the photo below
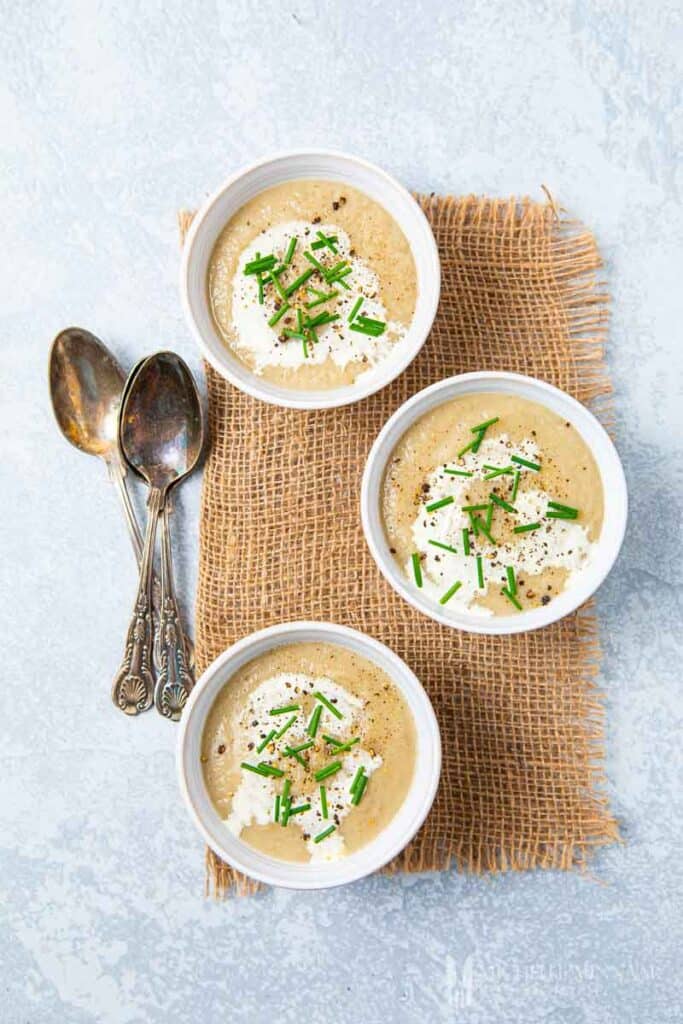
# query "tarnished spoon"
(161, 435)
(86, 384)
(86, 390)
(156, 588)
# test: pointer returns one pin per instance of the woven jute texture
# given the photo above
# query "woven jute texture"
(280, 539)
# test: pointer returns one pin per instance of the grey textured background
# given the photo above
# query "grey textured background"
(114, 115)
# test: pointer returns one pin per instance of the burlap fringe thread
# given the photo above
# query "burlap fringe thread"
(523, 779)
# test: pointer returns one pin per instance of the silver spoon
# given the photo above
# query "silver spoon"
(161, 435)
(86, 390)
(86, 384)
(156, 588)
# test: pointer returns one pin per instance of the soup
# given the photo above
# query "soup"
(312, 284)
(308, 752)
(492, 504)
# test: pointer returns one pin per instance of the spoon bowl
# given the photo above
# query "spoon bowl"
(161, 430)
(85, 389)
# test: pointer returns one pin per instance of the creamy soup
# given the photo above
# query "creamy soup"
(308, 752)
(492, 505)
(312, 284)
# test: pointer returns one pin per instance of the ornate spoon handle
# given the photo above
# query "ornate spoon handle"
(117, 472)
(133, 687)
(175, 678)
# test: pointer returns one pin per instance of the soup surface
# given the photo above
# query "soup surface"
(308, 752)
(492, 504)
(312, 284)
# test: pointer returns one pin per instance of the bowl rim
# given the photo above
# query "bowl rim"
(401, 828)
(609, 466)
(422, 244)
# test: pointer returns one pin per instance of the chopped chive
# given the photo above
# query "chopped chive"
(301, 809)
(339, 268)
(256, 769)
(449, 593)
(269, 769)
(322, 297)
(474, 508)
(376, 325)
(417, 568)
(444, 547)
(441, 503)
(323, 835)
(279, 314)
(497, 471)
(356, 780)
(314, 722)
(485, 425)
(299, 320)
(332, 740)
(329, 769)
(515, 485)
(274, 278)
(304, 344)
(325, 242)
(290, 752)
(284, 710)
(526, 528)
(524, 462)
(314, 262)
(358, 303)
(323, 801)
(366, 325)
(293, 334)
(285, 802)
(259, 281)
(481, 527)
(321, 319)
(302, 746)
(503, 504)
(328, 704)
(476, 444)
(285, 727)
(468, 446)
(562, 515)
(264, 263)
(489, 516)
(276, 809)
(262, 746)
(480, 572)
(296, 284)
(458, 472)
(512, 582)
(360, 789)
(512, 599)
(290, 251)
(343, 747)
(563, 508)
(466, 541)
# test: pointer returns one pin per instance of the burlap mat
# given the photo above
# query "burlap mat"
(280, 539)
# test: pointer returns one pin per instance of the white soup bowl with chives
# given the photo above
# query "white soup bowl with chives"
(557, 401)
(249, 182)
(315, 874)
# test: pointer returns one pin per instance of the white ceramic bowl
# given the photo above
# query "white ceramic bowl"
(249, 182)
(389, 842)
(606, 457)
